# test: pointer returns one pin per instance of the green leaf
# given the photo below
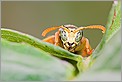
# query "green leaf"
(115, 26)
(18, 37)
(24, 62)
(111, 28)
(21, 38)
(105, 63)
(107, 67)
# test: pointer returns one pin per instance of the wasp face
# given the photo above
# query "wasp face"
(69, 38)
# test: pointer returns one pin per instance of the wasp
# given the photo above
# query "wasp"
(70, 37)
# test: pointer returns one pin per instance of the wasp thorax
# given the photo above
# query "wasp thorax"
(70, 39)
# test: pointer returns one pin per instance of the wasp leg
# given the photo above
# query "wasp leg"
(57, 39)
(54, 39)
(50, 39)
(86, 50)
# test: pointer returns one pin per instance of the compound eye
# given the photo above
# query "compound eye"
(79, 36)
(63, 34)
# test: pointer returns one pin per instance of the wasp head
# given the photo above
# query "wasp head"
(69, 37)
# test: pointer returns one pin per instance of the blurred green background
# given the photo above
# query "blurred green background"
(32, 17)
